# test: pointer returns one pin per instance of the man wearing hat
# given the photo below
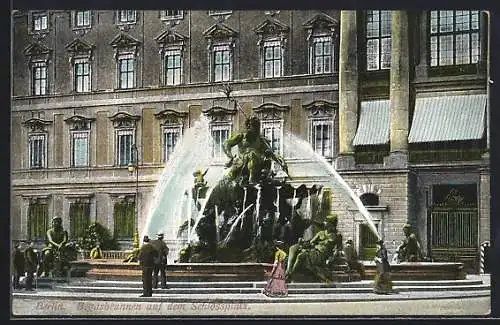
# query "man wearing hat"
(147, 255)
(160, 265)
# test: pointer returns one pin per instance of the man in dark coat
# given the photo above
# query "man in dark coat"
(18, 265)
(31, 263)
(161, 262)
(147, 255)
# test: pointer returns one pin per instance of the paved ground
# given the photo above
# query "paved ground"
(104, 304)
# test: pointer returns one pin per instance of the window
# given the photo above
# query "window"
(220, 133)
(378, 39)
(40, 22)
(322, 126)
(80, 149)
(222, 63)
(79, 219)
(126, 71)
(170, 137)
(272, 132)
(126, 16)
(272, 59)
(38, 215)
(173, 67)
(454, 37)
(171, 14)
(82, 75)
(125, 141)
(322, 136)
(39, 78)
(37, 151)
(322, 54)
(82, 18)
(124, 220)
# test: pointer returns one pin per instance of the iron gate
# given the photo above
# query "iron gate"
(454, 235)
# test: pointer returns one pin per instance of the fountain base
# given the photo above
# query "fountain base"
(211, 272)
(117, 270)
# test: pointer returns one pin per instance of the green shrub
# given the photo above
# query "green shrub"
(97, 233)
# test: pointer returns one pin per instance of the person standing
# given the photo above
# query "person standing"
(147, 255)
(276, 285)
(382, 283)
(18, 265)
(160, 265)
(31, 263)
(351, 256)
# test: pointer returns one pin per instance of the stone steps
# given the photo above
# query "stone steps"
(302, 291)
(260, 284)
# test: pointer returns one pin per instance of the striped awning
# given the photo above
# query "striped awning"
(374, 123)
(448, 118)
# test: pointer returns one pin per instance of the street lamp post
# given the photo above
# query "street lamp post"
(133, 166)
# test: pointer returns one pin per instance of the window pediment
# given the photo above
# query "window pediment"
(219, 114)
(36, 124)
(170, 37)
(37, 51)
(79, 46)
(124, 120)
(123, 42)
(320, 108)
(169, 116)
(271, 111)
(271, 27)
(321, 23)
(220, 31)
(79, 122)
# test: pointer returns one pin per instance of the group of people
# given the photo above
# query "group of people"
(25, 262)
(153, 260)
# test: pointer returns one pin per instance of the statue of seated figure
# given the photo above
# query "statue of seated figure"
(58, 252)
(316, 256)
(410, 249)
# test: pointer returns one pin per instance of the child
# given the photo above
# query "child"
(276, 285)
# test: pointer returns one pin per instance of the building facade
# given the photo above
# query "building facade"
(397, 101)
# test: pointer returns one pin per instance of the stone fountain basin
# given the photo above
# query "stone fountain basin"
(117, 270)
(109, 269)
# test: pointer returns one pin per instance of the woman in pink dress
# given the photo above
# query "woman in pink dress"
(276, 285)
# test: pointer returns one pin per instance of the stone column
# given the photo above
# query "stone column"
(399, 92)
(348, 88)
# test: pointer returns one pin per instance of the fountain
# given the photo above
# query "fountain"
(243, 209)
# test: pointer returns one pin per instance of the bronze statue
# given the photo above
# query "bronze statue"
(58, 252)
(409, 250)
(254, 154)
(314, 256)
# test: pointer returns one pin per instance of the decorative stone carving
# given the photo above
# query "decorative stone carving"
(124, 120)
(125, 43)
(219, 114)
(271, 111)
(37, 125)
(169, 117)
(79, 47)
(79, 122)
(320, 108)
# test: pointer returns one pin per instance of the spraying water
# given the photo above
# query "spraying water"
(166, 213)
(295, 147)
